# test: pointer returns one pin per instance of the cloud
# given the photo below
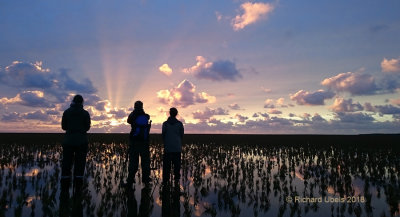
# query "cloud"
(266, 90)
(392, 65)
(343, 105)
(208, 113)
(95, 101)
(184, 95)
(32, 76)
(234, 106)
(28, 98)
(369, 107)
(387, 109)
(218, 15)
(165, 69)
(11, 117)
(252, 12)
(119, 113)
(65, 82)
(274, 111)
(281, 102)
(29, 75)
(269, 103)
(317, 118)
(382, 109)
(215, 71)
(100, 117)
(345, 123)
(264, 115)
(395, 101)
(354, 117)
(355, 83)
(316, 98)
(241, 118)
(37, 115)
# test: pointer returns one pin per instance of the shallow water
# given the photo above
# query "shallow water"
(217, 180)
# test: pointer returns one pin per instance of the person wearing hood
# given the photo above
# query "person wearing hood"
(76, 122)
(138, 144)
(172, 134)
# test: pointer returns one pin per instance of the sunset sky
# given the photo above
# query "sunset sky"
(228, 66)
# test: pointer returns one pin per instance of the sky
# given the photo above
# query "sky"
(228, 66)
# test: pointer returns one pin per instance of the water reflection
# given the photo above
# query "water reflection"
(170, 197)
(217, 180)
(70, 206)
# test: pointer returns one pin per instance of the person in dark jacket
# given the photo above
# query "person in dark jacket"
(138, 144)
(76, 122)
(172, 134)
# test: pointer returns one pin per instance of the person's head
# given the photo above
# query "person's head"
(173, 112)
(138, 105)
(78, 99)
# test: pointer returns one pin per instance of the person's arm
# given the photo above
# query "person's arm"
(64, 122)
(182, 131)
(87, 122)
(163, 131)
(130, 119)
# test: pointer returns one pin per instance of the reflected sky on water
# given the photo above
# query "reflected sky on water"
(217, 180)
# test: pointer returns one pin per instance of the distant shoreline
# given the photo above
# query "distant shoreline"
(235, 139)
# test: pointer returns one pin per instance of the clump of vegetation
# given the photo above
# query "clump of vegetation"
(218, 179)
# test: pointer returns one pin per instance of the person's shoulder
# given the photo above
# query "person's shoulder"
(66, 111)
(86, 112)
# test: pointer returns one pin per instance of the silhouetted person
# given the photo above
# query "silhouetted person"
(70, 206)
(172, 134)
(170, 202)
(146, 203)
(138, 144)
(132, 204)
(76, 122)
(65, 209)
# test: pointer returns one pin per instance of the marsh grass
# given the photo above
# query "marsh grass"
(221, 177)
